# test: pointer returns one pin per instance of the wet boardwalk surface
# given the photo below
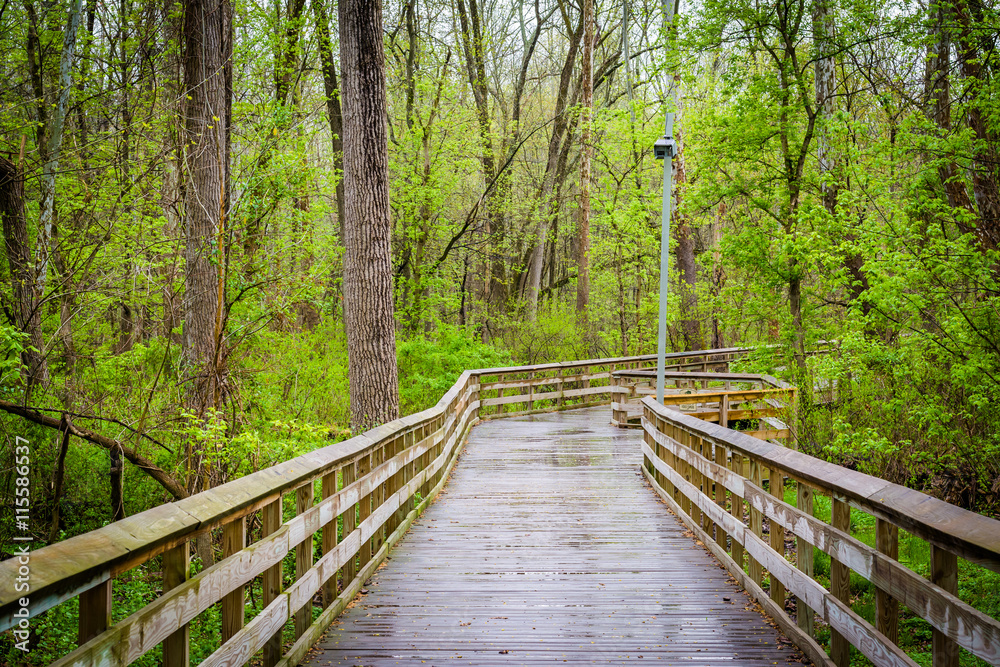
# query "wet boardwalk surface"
(547, 546)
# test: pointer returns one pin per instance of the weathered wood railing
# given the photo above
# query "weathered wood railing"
(713, 479)
(507, 392)
(710, 396)
(368, 484)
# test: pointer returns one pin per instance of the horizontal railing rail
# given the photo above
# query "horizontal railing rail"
(713, 479)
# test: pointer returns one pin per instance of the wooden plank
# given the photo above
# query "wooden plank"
(887, 607)
(95, 612)
(234, 539)
(944, 573)
(509, 563)
(364, 511)
(271, 580)
(176, 570)
(840, 584)
(838, 614)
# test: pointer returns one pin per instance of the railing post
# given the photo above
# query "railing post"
(721, 538)
(349, 472)
(756, 572)
(560, 401)
(886, 607)
(687, 505)
(840, 584)
(303, 557)
(271, 581)
(776, 487)
(365, 511)
(736, 505)
(804, 558)
(95, 611)
(176, 568)
(531, 391)
(328, 490)
(944, 573)
(724, 409)
(234, 540)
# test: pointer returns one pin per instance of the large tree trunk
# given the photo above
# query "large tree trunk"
(207, 27)
(586, 154)
(24, 310)
(368, 311)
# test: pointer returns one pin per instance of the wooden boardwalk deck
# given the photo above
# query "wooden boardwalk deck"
(548, 546)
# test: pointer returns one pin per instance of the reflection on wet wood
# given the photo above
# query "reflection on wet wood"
(547, 545)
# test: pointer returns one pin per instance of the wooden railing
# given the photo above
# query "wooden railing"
(713, 479)
(369, 483)
(708, 395)
(508, 392)
(372, 485)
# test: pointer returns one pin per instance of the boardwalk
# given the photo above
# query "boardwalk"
(547, 546)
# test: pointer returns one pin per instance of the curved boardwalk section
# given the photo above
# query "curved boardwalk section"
(548, 546)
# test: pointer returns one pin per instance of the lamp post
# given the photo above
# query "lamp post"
(665, 149)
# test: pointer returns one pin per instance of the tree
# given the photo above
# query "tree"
(207, 42)
(24, 310)
(586, 156)
(368, 302)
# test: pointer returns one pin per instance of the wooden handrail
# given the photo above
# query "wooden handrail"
(694, 464)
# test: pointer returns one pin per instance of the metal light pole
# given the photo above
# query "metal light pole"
(664, 149)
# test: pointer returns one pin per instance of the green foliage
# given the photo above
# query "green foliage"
(428, 367)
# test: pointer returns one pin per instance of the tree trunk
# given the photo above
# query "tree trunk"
(206, 30)
(335, 116)
(937, 92)
(54, 135)
(986, 159)
(368, 311)
(546, 204)
(57, 481)
(586, 154)
(690, 325)
(160, 476)
(26, 313)
(825, 84)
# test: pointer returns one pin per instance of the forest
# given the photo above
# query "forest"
(837, 179)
